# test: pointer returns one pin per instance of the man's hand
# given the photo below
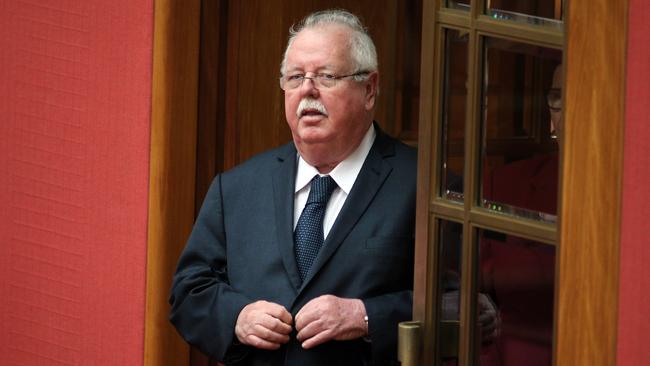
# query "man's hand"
(488, 319)
(328, 317)
(264, 325)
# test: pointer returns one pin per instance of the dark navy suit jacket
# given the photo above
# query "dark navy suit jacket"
(241, 250)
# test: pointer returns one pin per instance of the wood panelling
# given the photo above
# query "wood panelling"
(426, 156)
(258, 108)
(172, 168)
(211, 108)
(591, 182)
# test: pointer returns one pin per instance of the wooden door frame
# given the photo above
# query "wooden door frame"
(172, 168)
(592, 173)
(592, 170)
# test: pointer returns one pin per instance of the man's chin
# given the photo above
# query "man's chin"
(314, 141)
(314, 135)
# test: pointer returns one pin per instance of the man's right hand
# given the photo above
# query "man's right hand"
(264, 325)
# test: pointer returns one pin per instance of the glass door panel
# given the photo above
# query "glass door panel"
(515, 288)
(454, 106)
(519, 162)
(458, 4)
(486, 294)
(527, 11)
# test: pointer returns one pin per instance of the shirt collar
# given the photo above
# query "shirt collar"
(345, 173)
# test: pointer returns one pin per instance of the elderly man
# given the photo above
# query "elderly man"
(304, 255)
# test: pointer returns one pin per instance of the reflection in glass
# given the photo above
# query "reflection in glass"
(517, 276)
(454, 102)
(519, 165)
(539, 12)
(458, 4)
(450, 234)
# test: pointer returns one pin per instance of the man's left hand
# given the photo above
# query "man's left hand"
(327, 318)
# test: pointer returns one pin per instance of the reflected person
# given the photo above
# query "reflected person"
(519, 274)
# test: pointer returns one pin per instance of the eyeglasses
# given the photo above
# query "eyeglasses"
(321, 81)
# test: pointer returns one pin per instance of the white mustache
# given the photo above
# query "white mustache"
(309, 103)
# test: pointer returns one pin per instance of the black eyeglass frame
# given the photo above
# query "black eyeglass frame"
(319, 80)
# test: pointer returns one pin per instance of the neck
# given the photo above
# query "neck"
(321, 157)
(325, 169)
(326, 156)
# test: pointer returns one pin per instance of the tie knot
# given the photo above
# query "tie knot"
(321, 189)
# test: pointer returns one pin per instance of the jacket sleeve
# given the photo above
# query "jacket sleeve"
(204, 307)
(385, 312)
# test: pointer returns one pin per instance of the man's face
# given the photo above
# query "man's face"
(332, 133)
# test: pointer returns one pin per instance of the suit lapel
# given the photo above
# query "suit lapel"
(283, 198)
(372, 175)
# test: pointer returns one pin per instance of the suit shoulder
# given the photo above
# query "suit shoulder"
(407, 151)
(261, 163)
(405, 155)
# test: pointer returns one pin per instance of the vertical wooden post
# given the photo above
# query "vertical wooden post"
(172, 168)
(591, 182)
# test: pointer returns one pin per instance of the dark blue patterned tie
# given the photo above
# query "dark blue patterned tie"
(308, 236)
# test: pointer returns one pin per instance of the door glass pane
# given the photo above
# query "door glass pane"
(516, 287)
(450, 234)
(541, 12)
(458, 4)
(520, 95)
(454, 104)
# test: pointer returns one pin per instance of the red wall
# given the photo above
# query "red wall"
(75, 90)
(634, 296)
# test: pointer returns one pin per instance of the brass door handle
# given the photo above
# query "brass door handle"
(449, 331)
(409, 343)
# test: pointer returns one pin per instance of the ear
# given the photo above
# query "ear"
(372, 89)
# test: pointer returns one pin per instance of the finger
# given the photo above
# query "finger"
(279, 312)
(257, 342)
(488, 330)
(285, 317)
(313, 310)
(487, 325)
(274, 324)
(304, 317)
(309, 331)
(488, 333)
(301, 322)
(317, 339)
(487, 319)
(255, 320)
(269, 335)
(281, 327)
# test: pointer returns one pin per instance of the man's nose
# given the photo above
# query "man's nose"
(308, 88)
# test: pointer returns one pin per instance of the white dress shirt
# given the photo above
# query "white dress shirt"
(344, 174)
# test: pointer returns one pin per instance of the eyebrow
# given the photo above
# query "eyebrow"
(331, 68)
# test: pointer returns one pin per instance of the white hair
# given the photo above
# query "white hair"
(362, 48)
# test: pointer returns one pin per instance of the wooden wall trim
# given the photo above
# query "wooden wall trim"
(211, 98)
(172, 168)
(425, 159)
(591, 182)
